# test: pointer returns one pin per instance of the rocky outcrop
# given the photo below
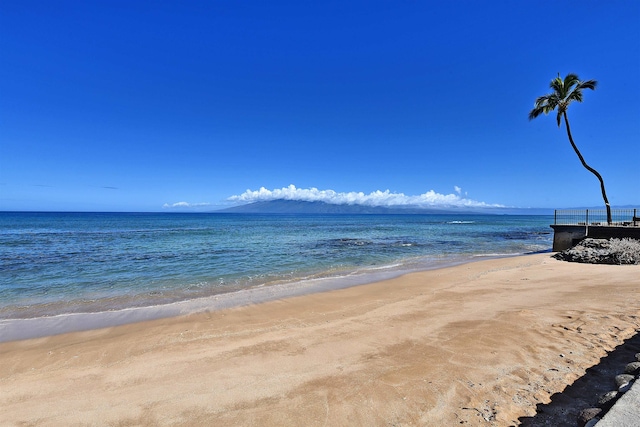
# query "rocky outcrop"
(603, 251)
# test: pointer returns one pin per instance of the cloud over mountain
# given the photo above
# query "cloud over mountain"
(375, 198)
(184, 205)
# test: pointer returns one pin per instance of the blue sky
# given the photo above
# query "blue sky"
(197, 105)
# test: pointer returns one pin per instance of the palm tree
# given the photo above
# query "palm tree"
(564, 92)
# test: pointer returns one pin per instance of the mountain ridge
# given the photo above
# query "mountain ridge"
(299, 206)
(282, 206)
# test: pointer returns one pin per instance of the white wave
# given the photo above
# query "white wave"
(498, 255)
(383, 267)
(375, 198)
(461, 222)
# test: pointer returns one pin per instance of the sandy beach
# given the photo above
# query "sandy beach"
(475, 344)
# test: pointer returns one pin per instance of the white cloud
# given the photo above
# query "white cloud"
(376, 198)
(184, 205)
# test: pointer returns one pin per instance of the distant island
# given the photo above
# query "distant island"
(303, 207)
(298, 206)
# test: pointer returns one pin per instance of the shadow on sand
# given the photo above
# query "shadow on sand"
(564, 407)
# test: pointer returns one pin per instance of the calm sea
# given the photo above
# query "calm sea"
(53, 264)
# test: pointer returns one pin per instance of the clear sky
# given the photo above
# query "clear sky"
(196, 105)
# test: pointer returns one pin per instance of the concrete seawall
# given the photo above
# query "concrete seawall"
(566, 236)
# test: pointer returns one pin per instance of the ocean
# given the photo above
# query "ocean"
(93, 267)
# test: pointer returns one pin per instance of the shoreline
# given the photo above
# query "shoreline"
(22, 328)
(481, 343)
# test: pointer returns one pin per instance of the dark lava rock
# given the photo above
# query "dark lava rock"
(607, 400)
(632, 368)
(592, 251)
(623, 379)
(602, 251)
(587, 415)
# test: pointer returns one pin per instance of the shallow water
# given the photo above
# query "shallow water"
(61, 263)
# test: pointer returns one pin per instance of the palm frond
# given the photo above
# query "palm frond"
(544, 104)
(589, 84)
(571, 80)
(557, 85)
(575, 95)
(541, 100)
(535, 112)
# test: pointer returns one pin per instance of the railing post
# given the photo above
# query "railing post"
(586, 224)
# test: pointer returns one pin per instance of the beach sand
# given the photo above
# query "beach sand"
(475, 344)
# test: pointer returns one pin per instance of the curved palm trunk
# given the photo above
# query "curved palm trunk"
(589, 168)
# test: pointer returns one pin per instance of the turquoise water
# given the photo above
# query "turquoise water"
(61, 263)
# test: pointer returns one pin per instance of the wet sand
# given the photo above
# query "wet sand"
(475, 344)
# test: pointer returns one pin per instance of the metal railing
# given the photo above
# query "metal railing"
(619, 217)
